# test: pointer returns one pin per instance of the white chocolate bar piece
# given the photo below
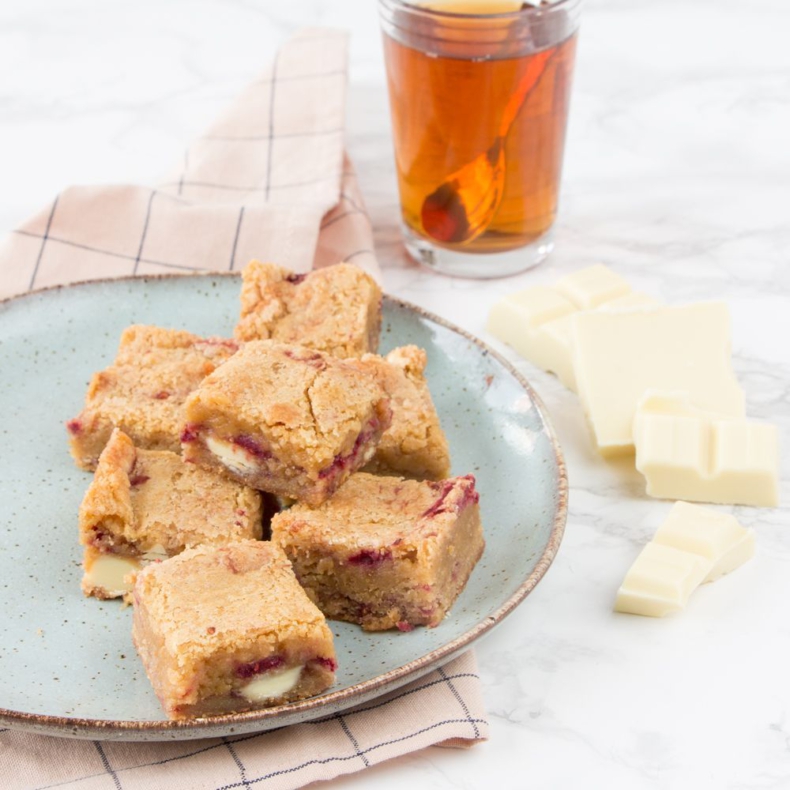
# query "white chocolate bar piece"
(107, 574)
(715, 536)
(271, 684)
(112, 575)
(555, 338)
(621, 354)
(660, 581)
(592, 286)
(521, 320)
(633, 301)
(536, 322)
(687, 453)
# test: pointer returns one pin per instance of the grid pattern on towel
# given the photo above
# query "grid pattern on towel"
(269, 180)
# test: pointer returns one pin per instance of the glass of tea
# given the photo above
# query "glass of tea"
(479, 94)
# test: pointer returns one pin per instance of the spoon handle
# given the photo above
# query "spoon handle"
(536, 68)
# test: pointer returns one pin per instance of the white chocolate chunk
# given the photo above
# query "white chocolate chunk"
(715, 536)
(107, 572)
(621, 354)
(553, 344)
(633, 301)
(687, 453)
(554, 349)
(592, 286)
(518, 319)
(537, 322)
(231, 455)
(156, 553)
(527, 309)
(660, 581)
(271, 684)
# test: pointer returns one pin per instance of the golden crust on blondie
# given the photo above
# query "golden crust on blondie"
(145, 505)
(336, 309)
(143, 391)
(414, 445)
(213, 625)
(286, 419)
(385, 552)
(148, 499)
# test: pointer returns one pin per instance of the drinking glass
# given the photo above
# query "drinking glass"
(479, 96)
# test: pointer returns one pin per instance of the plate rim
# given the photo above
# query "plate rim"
(360, 692)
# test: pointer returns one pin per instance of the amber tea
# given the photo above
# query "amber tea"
(479, 110)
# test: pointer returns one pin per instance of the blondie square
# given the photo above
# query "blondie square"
(286, 419)
(146, 505)
(229, 629)
(143, 391)
(385, 552)
(336, 309)
(414, 445)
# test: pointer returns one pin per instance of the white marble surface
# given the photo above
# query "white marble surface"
(678, 176)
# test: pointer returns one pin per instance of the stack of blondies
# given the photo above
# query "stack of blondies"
(246, 489)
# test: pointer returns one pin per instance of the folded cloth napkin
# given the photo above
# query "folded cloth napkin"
(269, 181)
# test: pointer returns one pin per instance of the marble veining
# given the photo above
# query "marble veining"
(677, 175)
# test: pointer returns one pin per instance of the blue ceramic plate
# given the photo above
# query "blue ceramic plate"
(67, 664)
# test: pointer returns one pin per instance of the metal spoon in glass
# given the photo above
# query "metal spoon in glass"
(465, 203)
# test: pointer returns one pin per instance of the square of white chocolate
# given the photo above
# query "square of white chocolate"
(687, 453)
(519, 319)
(514, 318)
(536, 322)
(715, 536)
(632, 301)
(660, 581)
(554, 349)
(619, 355)
(592, 286)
